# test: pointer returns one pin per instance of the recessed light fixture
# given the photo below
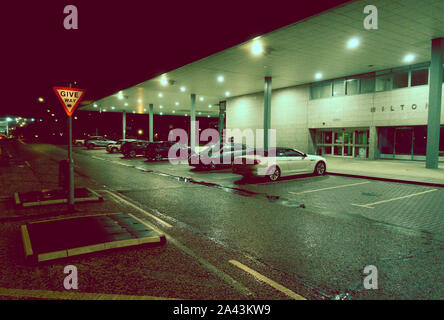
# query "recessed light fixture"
(113, 107)
(144, 110)
(199, 113)
(177, 103)
(174, 111)
(182, 89)
(161, 107)
(409, 58)
(208, 116)
(139, 100)
(209, 106)
(220, 79)
(318, 75)
(227, 93)
(41, 99)
(163, 81)
(134, 111)
(120, 95)
(161, 113)
(353, 43)
(126, 104)
(186, 114)
(160, 95)
(95, 105)
(201, 98)
(256, 47)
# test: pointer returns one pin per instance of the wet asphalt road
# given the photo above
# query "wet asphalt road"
(322, 231)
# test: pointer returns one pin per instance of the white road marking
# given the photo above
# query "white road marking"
(166, 224)
(98, 158)
(329, 188)
(27, 163)
(370, 205)
(268, 281)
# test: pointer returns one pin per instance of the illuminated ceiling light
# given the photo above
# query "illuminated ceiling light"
(199, 113)
(257, 48)
(220, 79)
(113, 107)
(134, 111)
(227, 93)
(95, 105)
(177, 103)
(208, 116)
(120, 95)
(409, 58)
(139, 100)
(52, 114)
(318, 75)
(174, 111)
(75, 118)
(163, 81)
(140, 131)
(41, 99)
(186, 114)
(144, 110)
(353, 43)
(161, 113)
(104, 110)
(201, 98)
(161, 107)
(182, 89)
(48, 110)
(160, 95)
(209, 106)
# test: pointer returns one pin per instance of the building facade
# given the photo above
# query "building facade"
(377, 115)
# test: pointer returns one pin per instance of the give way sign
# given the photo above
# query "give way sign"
(69, 98)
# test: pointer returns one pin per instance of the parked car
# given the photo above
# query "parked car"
(98, 143)
(215, 156)
(281, 162)
(115, 147)
(160, 150)
(81, 142)
(131, 149)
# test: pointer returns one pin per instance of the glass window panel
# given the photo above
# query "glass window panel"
(362, 137)
(419, 140)
(384, 82)
(361, 152)
(400, 79)
(420, 77)
(339, 87)
(327, 137)
(348, 151)
(337, 150)
(367, 84)
(315, 92)
(386, 140)
(352, 86)
(325, 89)
(339, 137)
(348, 137)
(327, 150)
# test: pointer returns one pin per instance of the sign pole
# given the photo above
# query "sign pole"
(71, 166)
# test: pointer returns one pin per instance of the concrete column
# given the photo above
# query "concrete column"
(435, 98)
(151, 122)
(221, 126)
(267, 111)
(124, 125)
(373, 143)
(193, 122)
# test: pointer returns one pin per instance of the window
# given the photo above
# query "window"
(384, 82)
(400, 79)
(321, 90)
(420, 140)
(352, 86)
(420, 77)
(368, 84)
(338, 87)
(293, 153)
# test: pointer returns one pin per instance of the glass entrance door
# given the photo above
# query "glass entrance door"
(403, 143)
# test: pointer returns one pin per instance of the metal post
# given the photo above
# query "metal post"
(267, 111)
(71, 166)
(151, 122)
(435, 98)
(221, 127)
(193, 123)
(123, 124)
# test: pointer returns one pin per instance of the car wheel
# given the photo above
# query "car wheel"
(132, 154)
(274, 174)
(90, 146)
(114, 150)
(158, 157)
(320, 168)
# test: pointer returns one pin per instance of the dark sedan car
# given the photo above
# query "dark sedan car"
(131, 149)
(166, 150)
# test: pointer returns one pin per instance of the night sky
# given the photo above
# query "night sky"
(122, 43)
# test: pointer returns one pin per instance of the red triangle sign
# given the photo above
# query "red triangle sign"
(69, 98)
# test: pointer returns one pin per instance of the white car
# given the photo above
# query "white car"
(115, 147)
(278, 163)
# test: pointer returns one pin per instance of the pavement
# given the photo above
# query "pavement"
(311, 235)
(389, 170)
